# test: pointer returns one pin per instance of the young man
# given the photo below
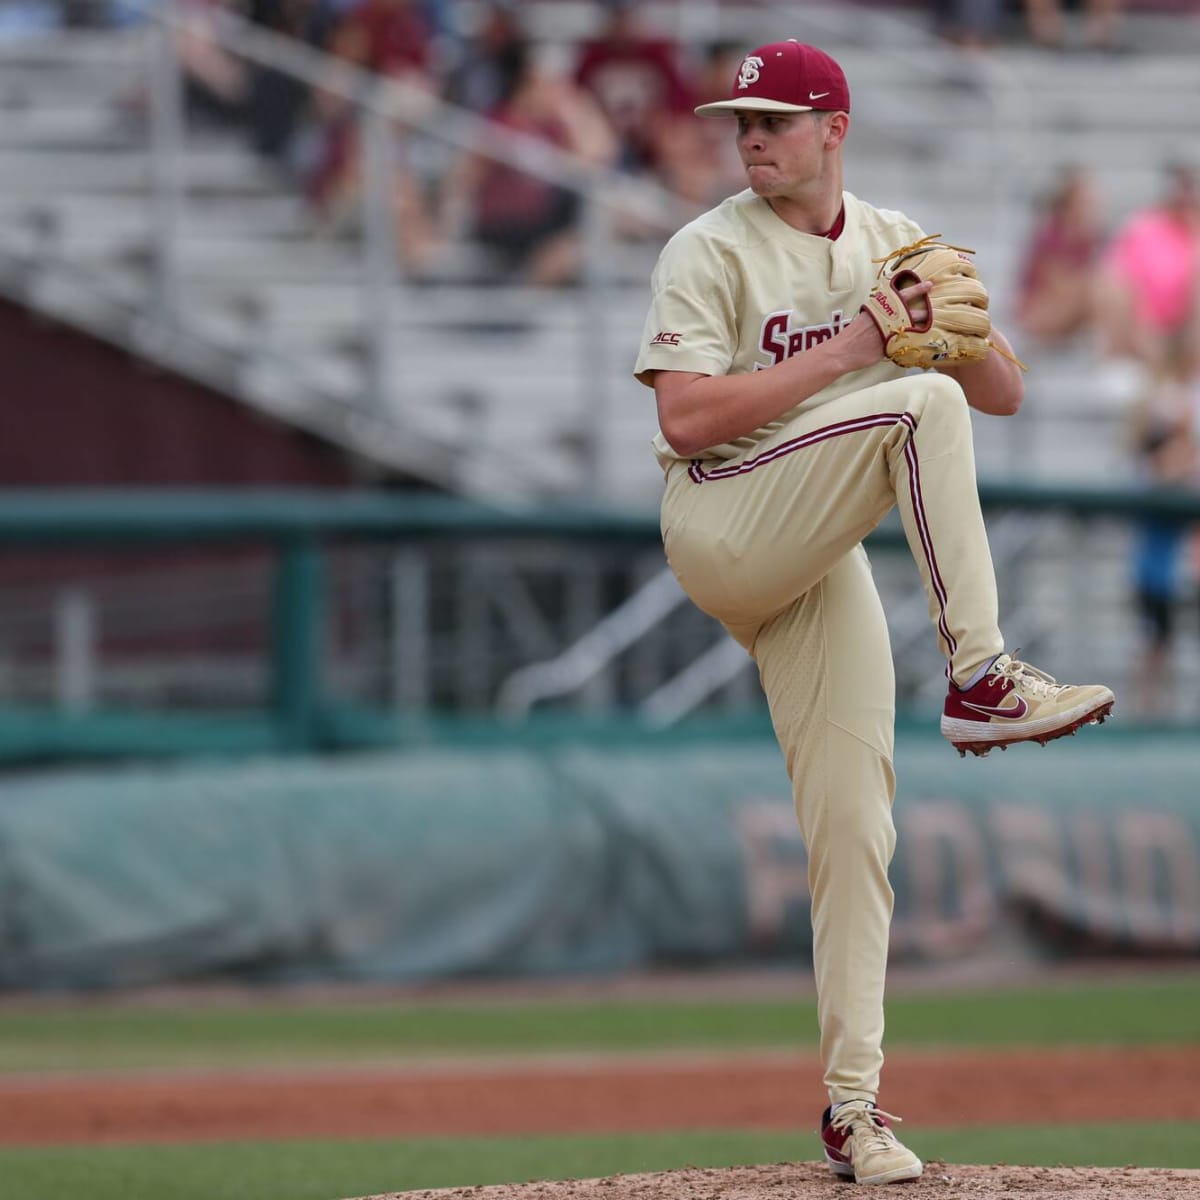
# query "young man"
(786, 435)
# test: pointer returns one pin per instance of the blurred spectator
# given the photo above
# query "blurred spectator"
(971, 24)
(389, 38)
(1150, 289)
(439, 15)
(1100, 23)
(531, 223)
(22, 19)
(1056, 292)
(1164, 447)
(706, 165)
(278, 104)
(216, 82)
(484, 74)
(637, 81)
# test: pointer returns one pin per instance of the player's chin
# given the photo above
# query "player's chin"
(762, 180)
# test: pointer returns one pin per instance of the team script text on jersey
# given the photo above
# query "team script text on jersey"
(779, 341)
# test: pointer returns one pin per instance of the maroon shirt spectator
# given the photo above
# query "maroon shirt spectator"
(528, 221)
(1056, 288)
(513, 204)
(637, 82)
(387, 36)
(391, 38)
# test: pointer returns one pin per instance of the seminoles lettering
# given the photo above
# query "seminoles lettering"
(779, 341)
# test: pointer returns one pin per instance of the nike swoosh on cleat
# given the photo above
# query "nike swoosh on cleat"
(1013, 712)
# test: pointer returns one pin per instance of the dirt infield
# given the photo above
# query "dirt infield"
(598, 1094)
(811, 1181)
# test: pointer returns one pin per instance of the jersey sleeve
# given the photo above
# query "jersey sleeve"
(691, 325)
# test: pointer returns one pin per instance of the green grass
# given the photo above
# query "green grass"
(329, 1170)
(81, 1038)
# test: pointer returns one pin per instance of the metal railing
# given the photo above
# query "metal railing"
(438, 652)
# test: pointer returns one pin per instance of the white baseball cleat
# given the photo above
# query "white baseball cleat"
(860, 1145)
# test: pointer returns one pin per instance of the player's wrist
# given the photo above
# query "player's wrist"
(860, 344)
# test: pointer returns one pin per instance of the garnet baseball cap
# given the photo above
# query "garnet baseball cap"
(784, 77)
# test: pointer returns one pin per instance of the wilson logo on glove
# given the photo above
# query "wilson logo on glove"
(880, 298)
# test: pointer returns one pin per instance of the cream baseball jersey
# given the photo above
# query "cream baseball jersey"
(738, 290)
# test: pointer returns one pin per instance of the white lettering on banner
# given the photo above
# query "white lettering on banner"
(1089, 844)
(1160, 869)
(1030, 847)
(951, 904)
(1101, 875)
(776, 866)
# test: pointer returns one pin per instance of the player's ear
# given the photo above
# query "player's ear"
(835, 130)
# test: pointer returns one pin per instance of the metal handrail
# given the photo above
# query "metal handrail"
(651, 603)
(721, 664)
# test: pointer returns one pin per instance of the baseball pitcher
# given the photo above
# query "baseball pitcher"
(781, 335)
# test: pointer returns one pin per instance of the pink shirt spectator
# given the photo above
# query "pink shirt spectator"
(1158, 257)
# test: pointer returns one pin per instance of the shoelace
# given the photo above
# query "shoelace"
(879, 1137)
(1029, 678)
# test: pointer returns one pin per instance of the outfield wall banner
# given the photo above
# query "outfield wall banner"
(453, 862)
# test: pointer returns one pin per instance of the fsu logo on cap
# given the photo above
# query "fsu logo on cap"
(751, 65)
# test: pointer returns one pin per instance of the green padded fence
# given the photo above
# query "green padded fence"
(573, 856)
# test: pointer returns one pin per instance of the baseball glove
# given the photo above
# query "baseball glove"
(953, 327)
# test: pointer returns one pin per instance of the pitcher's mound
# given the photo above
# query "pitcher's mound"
(804, 1181)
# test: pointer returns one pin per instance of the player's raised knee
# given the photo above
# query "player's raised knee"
(945, 397)
(944, 390)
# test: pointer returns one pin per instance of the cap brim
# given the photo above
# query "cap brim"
(722, 108)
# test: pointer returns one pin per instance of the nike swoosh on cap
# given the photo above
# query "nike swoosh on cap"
(1013, 712)
(817, 95)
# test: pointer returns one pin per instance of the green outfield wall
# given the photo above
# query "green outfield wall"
(576, 856)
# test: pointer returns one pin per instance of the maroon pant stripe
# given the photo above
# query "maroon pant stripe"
(918, 504)
(697, 473)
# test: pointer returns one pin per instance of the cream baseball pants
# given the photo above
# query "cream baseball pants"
(770, 545)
